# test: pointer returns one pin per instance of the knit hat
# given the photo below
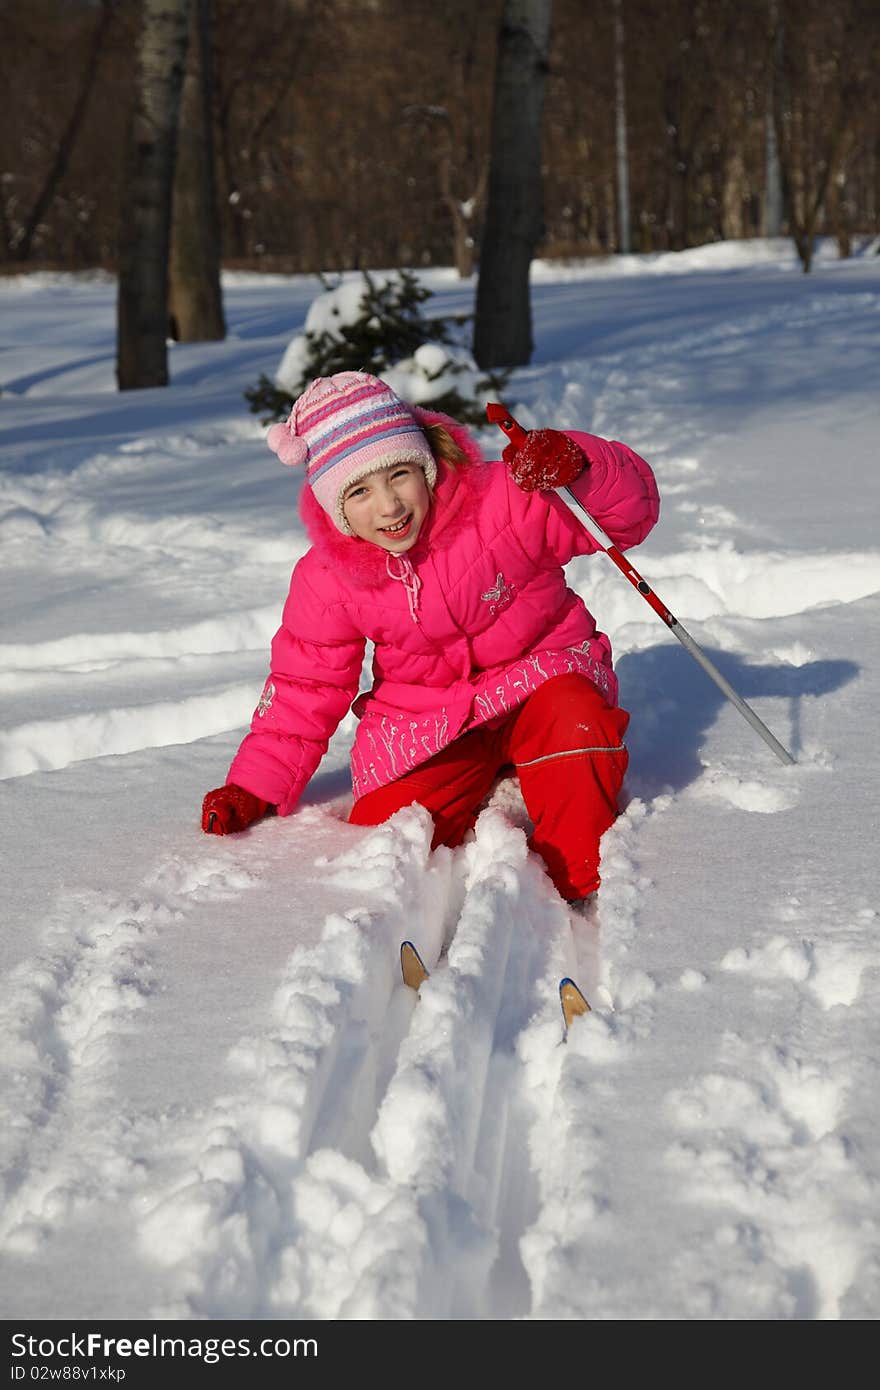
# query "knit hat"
(343, 427)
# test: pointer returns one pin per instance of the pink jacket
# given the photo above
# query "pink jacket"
(465, 625)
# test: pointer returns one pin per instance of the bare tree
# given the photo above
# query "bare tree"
(623, 242)
(321, 165)
(452, 112)
(464, 211)
(258, 61)
(772, 218)
(514, 216)
(142, 303)
(196, 301)
(824, 79)
(23, 241)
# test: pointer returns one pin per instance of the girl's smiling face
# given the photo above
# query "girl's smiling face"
(388, 507)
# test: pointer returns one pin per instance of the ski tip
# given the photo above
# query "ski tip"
(573, 1002)
(412, 967)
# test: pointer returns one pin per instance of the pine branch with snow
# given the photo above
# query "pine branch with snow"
(376, 323)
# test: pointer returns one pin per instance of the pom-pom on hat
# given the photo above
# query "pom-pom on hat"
(343, 427)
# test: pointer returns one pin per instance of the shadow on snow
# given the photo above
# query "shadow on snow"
(674, 704)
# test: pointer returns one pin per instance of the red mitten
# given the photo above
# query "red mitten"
(228, 809)
(547, 459)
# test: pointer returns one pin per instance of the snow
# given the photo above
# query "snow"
(217, 1098)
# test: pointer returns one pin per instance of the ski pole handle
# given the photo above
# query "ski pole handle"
(499, 415)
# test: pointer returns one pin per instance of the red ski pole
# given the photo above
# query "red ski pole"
(499, 415)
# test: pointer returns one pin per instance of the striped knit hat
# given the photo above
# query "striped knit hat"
(343, 427)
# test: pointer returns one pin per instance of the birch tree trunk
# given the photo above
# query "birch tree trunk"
(772, 184)
(623, 237)
(142, 303)
(514, 215)
(772, 220)
(196, 301)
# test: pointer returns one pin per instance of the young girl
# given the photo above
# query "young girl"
(483, 658)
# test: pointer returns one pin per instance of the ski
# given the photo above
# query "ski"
(573, 1002)
(412, 967)
(415, 973)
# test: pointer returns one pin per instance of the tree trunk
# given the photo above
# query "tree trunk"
(142, 303)
(772, 220)
(807, 173)
(514, 216)
(623, 238)
(23, 243)
(195, 298)
(733, 197)
(804, 226)
(233, 223)
(463, 214)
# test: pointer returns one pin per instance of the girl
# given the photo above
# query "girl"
(483, 657)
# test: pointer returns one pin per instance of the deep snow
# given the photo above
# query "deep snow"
(218, 1100)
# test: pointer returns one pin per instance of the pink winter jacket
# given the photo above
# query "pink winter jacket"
(465, 625)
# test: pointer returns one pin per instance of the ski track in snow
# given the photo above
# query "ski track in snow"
(356, 1165)
(373, 1154)
(381, 1155)
(359, 1172)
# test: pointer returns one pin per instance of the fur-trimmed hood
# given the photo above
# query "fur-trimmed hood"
(455, 499)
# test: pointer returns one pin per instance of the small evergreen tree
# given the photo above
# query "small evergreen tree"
(387, 329)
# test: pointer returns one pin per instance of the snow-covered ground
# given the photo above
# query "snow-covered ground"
(218, 1100)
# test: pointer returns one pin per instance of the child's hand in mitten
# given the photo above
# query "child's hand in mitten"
(547, 458)
(229, 809)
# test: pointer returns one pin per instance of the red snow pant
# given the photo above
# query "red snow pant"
(566, 746)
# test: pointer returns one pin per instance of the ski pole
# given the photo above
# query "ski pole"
(498, 415)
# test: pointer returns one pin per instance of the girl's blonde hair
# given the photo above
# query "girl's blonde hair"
(443, 446)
